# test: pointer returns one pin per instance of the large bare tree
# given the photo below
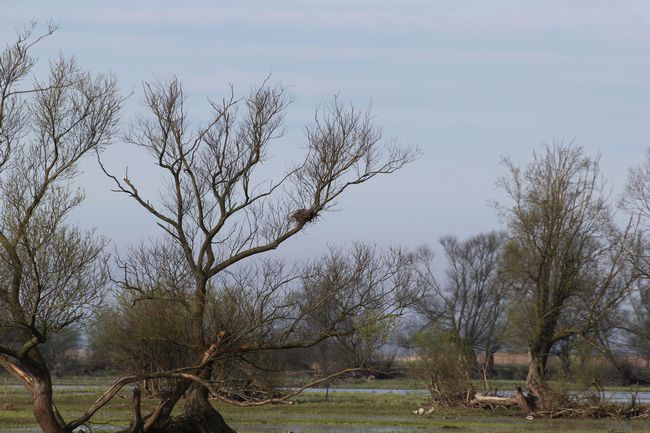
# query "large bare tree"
(218, 207)
(52, 273)
(568, 262)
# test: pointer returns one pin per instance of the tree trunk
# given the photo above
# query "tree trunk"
(161, 416)
(43, 406)
(544, 397)
(523, 401)
(33, 372)
(136, 414)
(198, 417)
(467, 350)
(489, 362)
(487, 368)
(199, 410)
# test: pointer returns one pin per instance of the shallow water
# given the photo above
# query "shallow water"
(326, 428)
(363, 390)
(613, 396)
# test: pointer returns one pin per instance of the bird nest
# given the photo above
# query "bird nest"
(303, 216)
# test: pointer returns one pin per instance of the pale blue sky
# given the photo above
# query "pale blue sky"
(467, 81)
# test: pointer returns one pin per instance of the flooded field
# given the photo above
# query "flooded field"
(642, 397)
(348, 409)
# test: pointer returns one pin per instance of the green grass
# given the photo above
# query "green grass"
(343, 412)
(502, 385)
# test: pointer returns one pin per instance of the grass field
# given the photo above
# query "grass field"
(343, 412)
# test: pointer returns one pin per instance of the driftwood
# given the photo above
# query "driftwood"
(519, 399)
(493, 401)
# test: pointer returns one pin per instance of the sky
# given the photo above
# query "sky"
(467, 81)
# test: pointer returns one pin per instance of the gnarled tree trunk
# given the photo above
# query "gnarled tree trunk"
(204, 417)
(544, 397)
(198, 415)
(35, 376)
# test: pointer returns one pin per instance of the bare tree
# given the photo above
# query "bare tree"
(471, 300)
(218, 209)
(637, 189)
(381, 282)
(53, 274)
(637, 324)
(565, 257)
(637, 201)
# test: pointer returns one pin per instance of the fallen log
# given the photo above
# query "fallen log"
(519, 399)
(493, 401)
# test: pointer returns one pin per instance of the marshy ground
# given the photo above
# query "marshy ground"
(344, 411)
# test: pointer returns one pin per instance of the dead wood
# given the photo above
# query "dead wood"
(491, 401)
(525, 402)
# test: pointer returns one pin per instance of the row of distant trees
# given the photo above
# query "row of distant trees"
(206, 311)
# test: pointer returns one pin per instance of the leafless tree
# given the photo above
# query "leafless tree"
(53, 274)
(382, 282)
(637, 324)
(636, 200)
(219, 209)
(568, 262)
(471, 300)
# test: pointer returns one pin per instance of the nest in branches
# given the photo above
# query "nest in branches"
(304, 216)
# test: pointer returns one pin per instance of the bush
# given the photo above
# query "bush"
(442, 364)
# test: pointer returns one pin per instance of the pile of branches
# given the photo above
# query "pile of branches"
(615, 411)
(592, 407)
(444, 394)
(596, 408)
